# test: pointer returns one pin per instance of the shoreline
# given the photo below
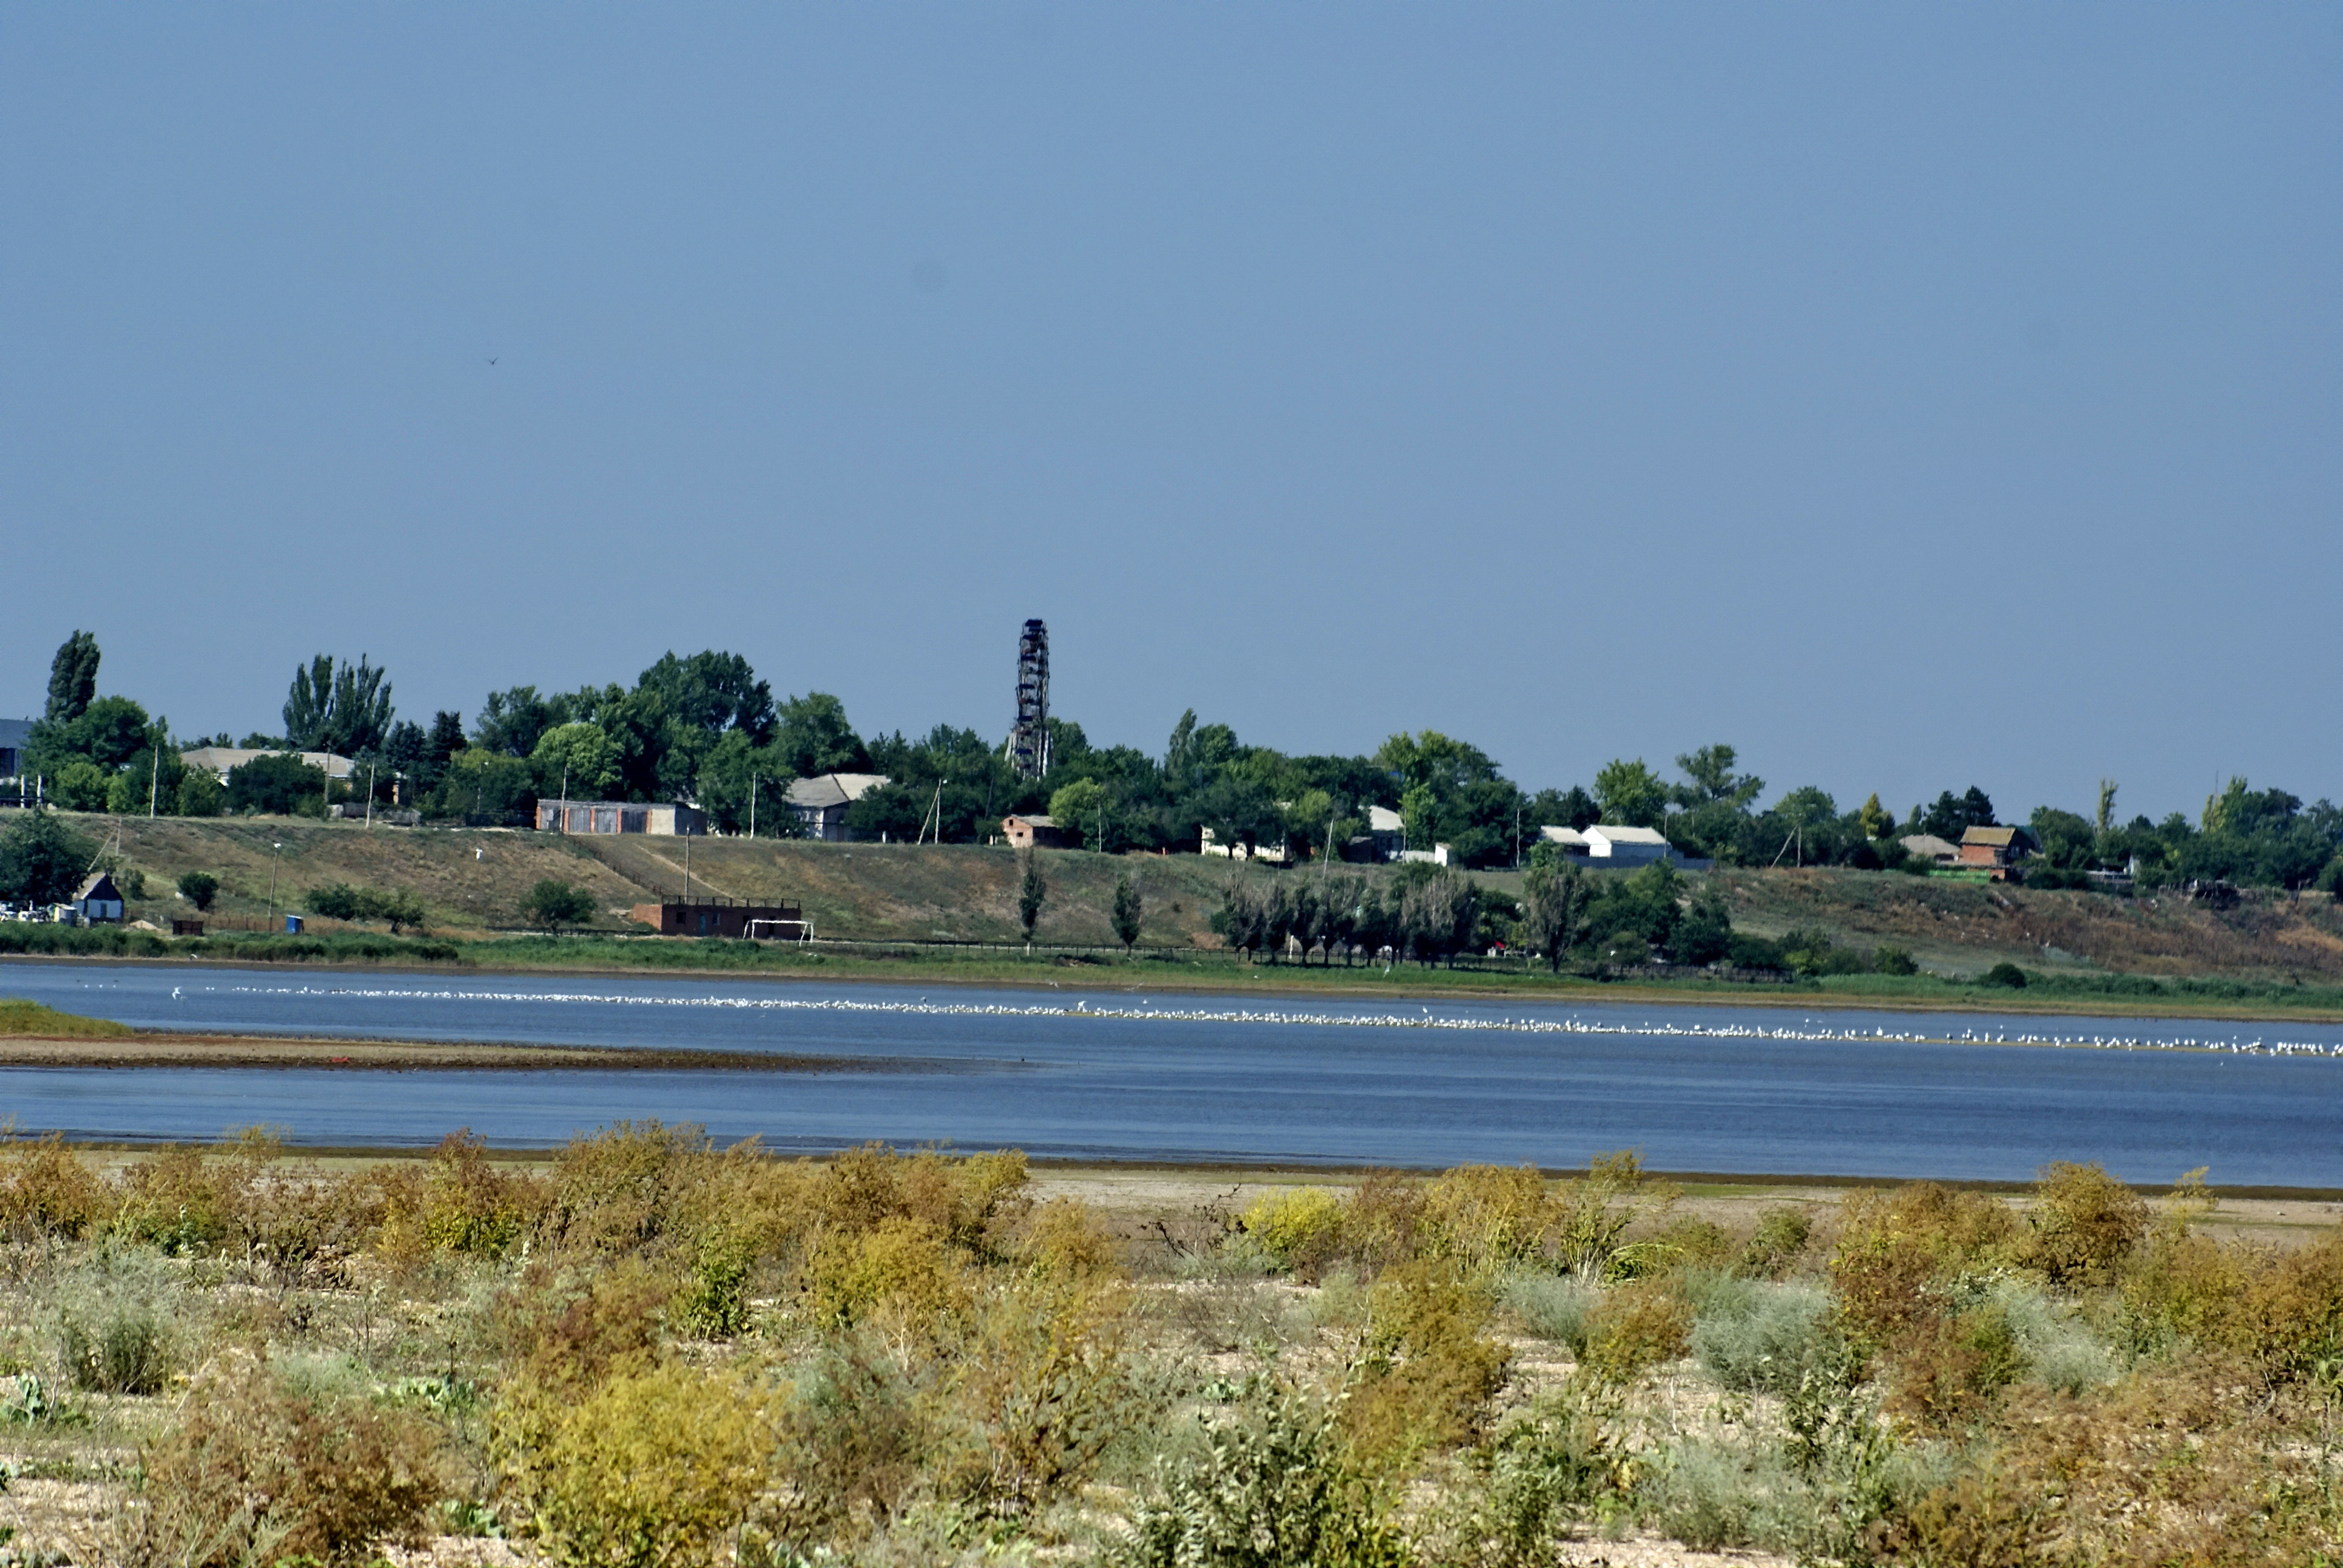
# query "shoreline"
(157, 1050)
(1289, 981)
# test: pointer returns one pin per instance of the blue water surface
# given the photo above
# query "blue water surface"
(1063, 1072)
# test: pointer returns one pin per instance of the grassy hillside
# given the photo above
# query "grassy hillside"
(472, 882)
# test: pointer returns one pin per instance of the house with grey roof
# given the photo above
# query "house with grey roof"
(820, 802)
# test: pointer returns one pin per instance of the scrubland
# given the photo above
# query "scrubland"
(648, 1350)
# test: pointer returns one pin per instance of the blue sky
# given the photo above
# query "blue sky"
(1911, 396)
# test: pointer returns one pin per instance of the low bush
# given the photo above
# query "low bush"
(1299, 1229)
(1634, 1329)
(1763, 1337)
(45, 1191)
(1269, 1491)
(660, 1468)
(1777, 1243)
(1552, 1307)
(1428, 1369)
(2083, 1225)
(262, 1471)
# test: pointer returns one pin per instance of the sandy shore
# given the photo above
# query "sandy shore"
(264, 1051)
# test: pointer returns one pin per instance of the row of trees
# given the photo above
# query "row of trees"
(708, 729)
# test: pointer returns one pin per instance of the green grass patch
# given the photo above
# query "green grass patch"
(20, 1016)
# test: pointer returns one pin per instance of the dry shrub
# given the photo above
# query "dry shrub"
(623, 1187)
(1487, 1216)
(1592, 1214)
(459, 1203)
(1300, 1229)
(958, 1200)
(1062, 1241)
(1951, 1369)
(2175, 1465)
(1634, 1329)
(1039, 1389)
(1776, 1246)
(2288, 1318)
(2083, 1224)
(1687, 1245)
(658, 1468)
(181, 1201)
(46, 1190)
(857, 1435)
(900, 1264)
(1428, 1370)
(262, 1471)
(1894, 1245)
(1383, 1222)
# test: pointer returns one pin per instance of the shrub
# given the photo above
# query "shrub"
(201, 794)
(1384, 1221)
(656, 1467)
(553, 904)
(1487, 1216)
(2083, 1225)
(1951, 1369)
(1777, 1243)
(199, 888)
(1298, 1228)
(42, 861)
(1594, 1213)
(261, 1470)
(1045, 1385)
(1712, 1495)
(1892, 961)
(1428, 1369)
(1062, 1242)
(1551, 1308)
(1761, 1336)
(2288, 1318)
(46, 1190)
(1549, 1465)
(1893, 1246)
(1270, 1491)
(1633, 1329)
(2004, 974)
(899, 1264)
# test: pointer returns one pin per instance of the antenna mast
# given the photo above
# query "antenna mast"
(1029, 743)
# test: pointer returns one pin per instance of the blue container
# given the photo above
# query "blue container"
(292, 925)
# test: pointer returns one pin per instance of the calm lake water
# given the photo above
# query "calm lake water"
(1061, 1073)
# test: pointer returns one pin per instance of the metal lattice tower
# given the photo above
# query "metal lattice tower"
(1029, 743)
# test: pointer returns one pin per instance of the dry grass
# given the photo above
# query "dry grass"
(33, 1020)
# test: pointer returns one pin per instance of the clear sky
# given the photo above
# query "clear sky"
(1913, 397)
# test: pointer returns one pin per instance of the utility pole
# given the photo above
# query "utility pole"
(753, 783)
(154, 784)
(565, 797)
(370, 770)
(274, 851)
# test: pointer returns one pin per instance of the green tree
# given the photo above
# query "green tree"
(72, 679)
(577, 759)
(1553, 909)
(1876, 820)
(2065, 839)
(815, 738)
(1631, 793)
(275, 783)
(199, 888)
(80, 785)
(201, 794)
(743, 785)
(511, 721)
(1031, 892)
(553, 904)
(342, 710)
(42, 861)
(1076, 808)
(1128, 912)
(1710, 768)
(1802, 811)
(1702, 932)
(1418, 810)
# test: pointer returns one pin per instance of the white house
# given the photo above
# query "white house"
(821, 802)
(1572, 841)
(1618, 846)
